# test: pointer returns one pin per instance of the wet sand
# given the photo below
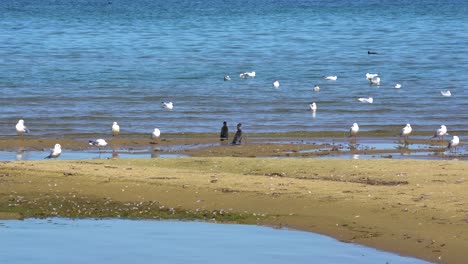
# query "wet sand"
(412, 207)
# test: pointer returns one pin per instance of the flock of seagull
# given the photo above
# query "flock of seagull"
(21, 129)
(373, 78)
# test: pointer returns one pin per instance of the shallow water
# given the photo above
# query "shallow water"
(76, 155)
(126, 241)
(77, 66)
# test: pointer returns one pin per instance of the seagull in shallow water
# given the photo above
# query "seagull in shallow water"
(313, 106)
(397, 86)
(446, 93)
(454, 142)
(100, 143)
(369, 100)
(331, 78)
(441, 132)
(115, 129)
(276, 84)
(155, 135)
(168, 105)
(353, 130)
(406, 131)
(55, 152)
(227, 78)
(21, 128)
(316, 88)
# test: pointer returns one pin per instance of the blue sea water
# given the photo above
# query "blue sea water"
(77, 66)
(51, 241)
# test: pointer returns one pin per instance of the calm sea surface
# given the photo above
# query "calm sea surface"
(77, 66)
(51, 241)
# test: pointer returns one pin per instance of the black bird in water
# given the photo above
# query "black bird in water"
(371, 52)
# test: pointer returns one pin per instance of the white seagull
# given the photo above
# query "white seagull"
(227, 78)
(168, 105)
(371, 75)
(446, 93)
(353, 130)
(251, 74)
(55, 152)
(316, 88)
(454, 142)
(331, 78)
(397, 86)
(313, 106)
(155, 135)
(369, 100)
(21, 128)
(406, 131)
(441, 132)
(115, 129)
(276, 84)
(375, 80)
(100, 143)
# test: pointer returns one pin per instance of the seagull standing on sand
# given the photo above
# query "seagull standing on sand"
(331, 78)
(454, 143)
(446, 93)
(369, 100)
(168, 105)
(313, 106)
(55, 152)
(354, 130)
(155, 135)
(100, 143)
(441, 132)
(276, 84)
(21, 128)
(406, 131)
(115, 129)
(316, 88)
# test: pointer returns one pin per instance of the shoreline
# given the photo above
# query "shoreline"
(410, 207)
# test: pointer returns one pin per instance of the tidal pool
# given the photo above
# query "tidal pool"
(115, 241)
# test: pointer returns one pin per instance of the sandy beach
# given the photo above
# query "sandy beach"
(411, 207)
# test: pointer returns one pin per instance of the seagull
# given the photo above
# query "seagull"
(227, 78)
(369, 100)
(331, 78)
(100, 143)
(244, 75)
(276, 84)
(115, 129)
(441, 132)
(397, 86)
(369, 76)
(155, 135)
(353, 130)
(454, 142)
(375, 80)
(313, 106)
(406, 131)
(55, 152)
(446, 93)
(21, 128)
(251, 74)
(168, 105)
(316, 88)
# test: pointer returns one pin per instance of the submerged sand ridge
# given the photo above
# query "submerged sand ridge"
(411, 207)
